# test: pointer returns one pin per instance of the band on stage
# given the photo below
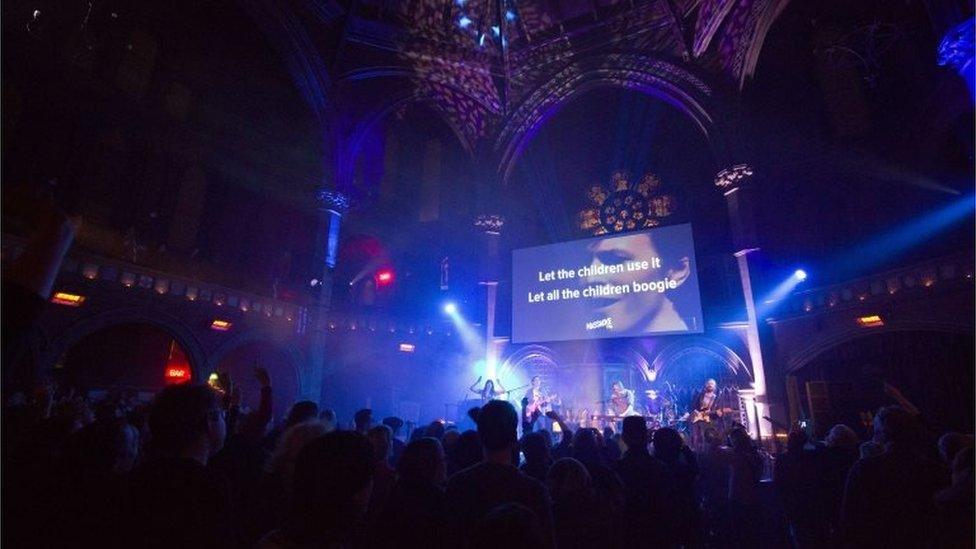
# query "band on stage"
(660, 407)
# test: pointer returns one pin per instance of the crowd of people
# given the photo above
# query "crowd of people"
(197, 468)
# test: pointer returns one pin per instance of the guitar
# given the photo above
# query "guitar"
(541, 406)
(697, 415)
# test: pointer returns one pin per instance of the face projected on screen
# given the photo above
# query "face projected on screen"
(636, 312)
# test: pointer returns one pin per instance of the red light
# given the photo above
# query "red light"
(177, 368)
(178, 373)
(384, 277)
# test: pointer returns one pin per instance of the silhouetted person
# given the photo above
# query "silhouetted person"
(396, 445)
(537, 460)
(681, 469)
(795, 478)
(955, 526)
(414, 514)
(362, 420)
(466, 452)
(512, 525)
(92, 476)
(745, 468)
(834, 461)
(888, 498)
(647, 489)
(606, 484)
(577, 519)
(383, 475)
(333, 478)
(475, 491)
(174, 499)
(328, 418)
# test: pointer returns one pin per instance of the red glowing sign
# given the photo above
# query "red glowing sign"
(177, 368)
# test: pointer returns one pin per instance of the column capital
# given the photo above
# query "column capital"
(734, 177)
(331, 200)
(490, 223)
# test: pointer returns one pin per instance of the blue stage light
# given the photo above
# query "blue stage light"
(800, 275)
(450, 308)
(464, 21)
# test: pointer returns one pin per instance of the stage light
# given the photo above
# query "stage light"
(450, 308)
(464, 21)
(70, 300)
(384, 277)
(768, 303)
(870, 321)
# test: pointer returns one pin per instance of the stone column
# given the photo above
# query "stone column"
(490, 226)
(735, 182)
(332, 205)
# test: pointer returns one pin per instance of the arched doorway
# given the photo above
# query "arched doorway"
(130, 356)
(934, 371)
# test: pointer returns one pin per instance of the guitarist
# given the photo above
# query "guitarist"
(703, 408)
(534, 404)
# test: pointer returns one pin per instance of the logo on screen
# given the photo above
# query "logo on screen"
(602, 323)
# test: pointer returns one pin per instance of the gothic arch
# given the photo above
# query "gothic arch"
(834, 338)
(181, 333)
(700, 345)
(350, 145)
(655, 77)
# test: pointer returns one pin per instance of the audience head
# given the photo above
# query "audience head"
(796, 440)
(292, 441)
(450, 438)
(547, 436)
(895, 426)
(333, 481)
(951, 443)
(467, 451)
(423, 462)
(741, 442)
(186, 420)
(712, 437)
(435, 429)
(635, 432)
(870, 448)
(394, 423)
(667, 444)
(841, 436)
(303, 410)
(586, 446)
(108, 445)
(509, 521)
(568, 479)
(534, 447)
(380, 437)
(498, 426)
(328, 418)
(363, 419)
